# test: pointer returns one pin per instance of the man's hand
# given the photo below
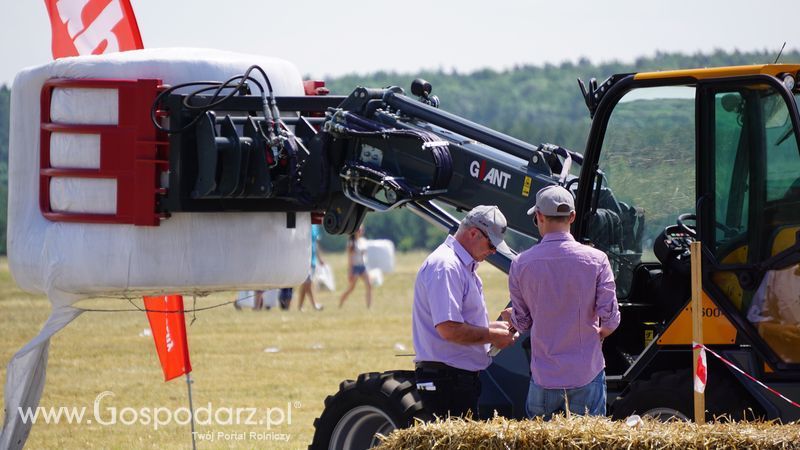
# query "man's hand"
(506, 314)
(501, 334)
(603, 332)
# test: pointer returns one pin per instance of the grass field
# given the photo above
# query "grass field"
(102, 352)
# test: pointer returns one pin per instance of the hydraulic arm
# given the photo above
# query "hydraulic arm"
(374, 150)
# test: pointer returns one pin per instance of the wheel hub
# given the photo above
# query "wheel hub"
(358, 428)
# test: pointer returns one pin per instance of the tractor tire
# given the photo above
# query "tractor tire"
(374, 403)
(668, 395)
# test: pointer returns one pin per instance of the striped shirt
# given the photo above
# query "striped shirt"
(560, 291)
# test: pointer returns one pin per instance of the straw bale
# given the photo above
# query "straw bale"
(579, 432)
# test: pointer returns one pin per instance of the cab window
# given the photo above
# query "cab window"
(648, 166)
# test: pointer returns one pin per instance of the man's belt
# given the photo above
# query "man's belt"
(439, 367)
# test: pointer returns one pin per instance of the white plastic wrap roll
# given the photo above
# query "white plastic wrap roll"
(187, 253)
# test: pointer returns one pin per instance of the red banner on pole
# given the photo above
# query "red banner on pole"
(92, 27)
(165, 314)
(701, 373)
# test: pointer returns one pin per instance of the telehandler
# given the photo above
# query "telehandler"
(672, 157)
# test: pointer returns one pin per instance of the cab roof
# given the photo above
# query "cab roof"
(719, 72)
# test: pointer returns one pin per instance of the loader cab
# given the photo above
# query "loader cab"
(710, 155)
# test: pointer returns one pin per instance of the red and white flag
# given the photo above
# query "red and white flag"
(92, 27)
(165, 314)
(701, 375)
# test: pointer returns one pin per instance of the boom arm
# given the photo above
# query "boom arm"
(374, 150)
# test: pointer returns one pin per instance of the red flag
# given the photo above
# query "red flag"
(165, 314)
(92, 27)
(701, 376)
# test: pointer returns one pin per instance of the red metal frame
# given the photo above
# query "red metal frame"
(315, 87)
(133, 152)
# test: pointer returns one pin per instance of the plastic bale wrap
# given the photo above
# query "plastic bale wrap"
(189, 252)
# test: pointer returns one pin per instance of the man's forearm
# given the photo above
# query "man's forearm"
(606, 304)
(463, 333)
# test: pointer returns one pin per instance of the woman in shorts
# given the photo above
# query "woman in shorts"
(357, 267)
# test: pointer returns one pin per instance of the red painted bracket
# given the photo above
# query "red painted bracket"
(132, 152)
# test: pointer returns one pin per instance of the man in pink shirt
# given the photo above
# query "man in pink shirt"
(564, 293)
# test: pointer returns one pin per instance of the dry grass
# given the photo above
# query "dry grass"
(317, 350)
(103, 352)
(591, 433)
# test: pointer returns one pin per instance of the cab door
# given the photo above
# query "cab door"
(749, 170)
(644, 179)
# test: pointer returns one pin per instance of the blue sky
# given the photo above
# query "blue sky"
(333, 38)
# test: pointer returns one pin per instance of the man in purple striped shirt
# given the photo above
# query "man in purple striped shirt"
(564, 293)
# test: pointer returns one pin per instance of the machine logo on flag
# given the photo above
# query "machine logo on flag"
(92, 27)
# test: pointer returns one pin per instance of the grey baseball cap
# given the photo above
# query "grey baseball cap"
(491, 221)
(553, 201)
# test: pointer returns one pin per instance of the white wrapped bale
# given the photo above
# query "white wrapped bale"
(380, 255)
(189, 252)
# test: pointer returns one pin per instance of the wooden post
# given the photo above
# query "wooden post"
(697, 327)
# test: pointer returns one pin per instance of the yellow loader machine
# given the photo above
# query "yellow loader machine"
(672, 157)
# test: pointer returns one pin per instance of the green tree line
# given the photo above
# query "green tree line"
(536, 104)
